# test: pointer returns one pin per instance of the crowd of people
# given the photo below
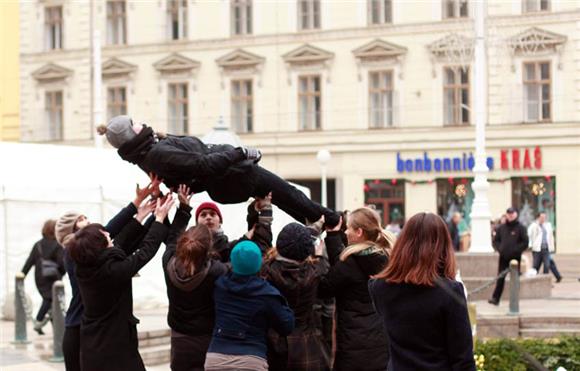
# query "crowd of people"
(334, 291)
(258, 304)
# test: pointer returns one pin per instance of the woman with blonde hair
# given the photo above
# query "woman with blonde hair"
(422, 307)
(361, 343)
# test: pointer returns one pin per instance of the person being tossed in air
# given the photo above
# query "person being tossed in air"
(228, 174)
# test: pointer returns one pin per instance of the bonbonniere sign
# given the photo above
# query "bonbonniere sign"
(510, 159)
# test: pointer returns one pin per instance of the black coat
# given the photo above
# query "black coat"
(51, 250)
(428, 327)
(511, 240)
(361, 343)
(191, 307)
(304, 348)
(108, 328)
(221, 170)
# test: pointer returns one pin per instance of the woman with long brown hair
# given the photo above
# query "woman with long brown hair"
(422, 307)
(190, 273)
(361, 343)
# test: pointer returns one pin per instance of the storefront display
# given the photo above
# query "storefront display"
(387, 196)
(532, 195)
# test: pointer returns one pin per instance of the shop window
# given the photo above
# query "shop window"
(455, 195)
(531, 195)
(387, 197)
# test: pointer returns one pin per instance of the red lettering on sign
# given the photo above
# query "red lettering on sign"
(527, 161)
(505, 163)
(515, 159)
(538, 158)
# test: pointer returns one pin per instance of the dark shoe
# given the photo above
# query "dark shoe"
(559, 279)
(493, 301)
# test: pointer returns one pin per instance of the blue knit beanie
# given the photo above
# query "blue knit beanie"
(246, 258)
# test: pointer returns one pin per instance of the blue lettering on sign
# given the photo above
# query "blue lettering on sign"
(466, 162)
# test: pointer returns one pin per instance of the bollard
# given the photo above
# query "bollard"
(514, 288)
(20, 336)
(57, 321)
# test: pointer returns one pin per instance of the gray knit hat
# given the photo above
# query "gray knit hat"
(64, 227)
(120, 131)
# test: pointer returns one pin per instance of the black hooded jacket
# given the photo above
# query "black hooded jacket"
(191, 307)
(511, 239)
(187, 160)
(361, 342)
(47, 249)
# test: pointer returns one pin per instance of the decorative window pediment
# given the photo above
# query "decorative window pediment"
(452, 49)
(51, 72)
(176, 64)
(117, 68)
(240, 60)
(307, 55)
(535, 41)
(379, 50)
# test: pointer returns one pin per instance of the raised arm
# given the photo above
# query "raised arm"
(128, 267)
(31, 259)
(182, 217)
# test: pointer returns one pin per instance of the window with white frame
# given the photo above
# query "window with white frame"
(455, 9)
(116, 101)
(531, 6)
(310, 102)
(53, 114)
(242, 106)
(537, 94)
(380, 11)
(177, 109)
(177, 19)
(53, 27)
(456, 95)
(241, 17)
(116, 22)
(381, 99)
(308, 14)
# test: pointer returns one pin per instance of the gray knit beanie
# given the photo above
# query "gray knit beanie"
(64, 227)
(120, 131)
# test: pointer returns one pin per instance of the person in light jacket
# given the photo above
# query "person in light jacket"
(541, 236)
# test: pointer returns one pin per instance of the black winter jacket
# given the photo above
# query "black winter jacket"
(361, 342)
(187, 160)
(47, 249)
(428, 327)
(262, 236)
(511, 240)
(191, 307)
(298, 282)
(109, 329)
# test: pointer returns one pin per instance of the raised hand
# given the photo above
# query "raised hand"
(155, 183)
(145, 209)
(184, 194)
(336, 228)
(263, 203)
(163, 207)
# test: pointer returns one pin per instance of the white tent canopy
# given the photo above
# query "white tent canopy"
(40, 182)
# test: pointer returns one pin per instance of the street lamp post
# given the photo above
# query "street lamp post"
(480, 213)
(323, 156)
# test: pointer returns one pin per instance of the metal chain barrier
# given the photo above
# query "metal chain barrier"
(502, 274)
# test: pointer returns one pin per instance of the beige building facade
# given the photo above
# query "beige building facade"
(385, 85)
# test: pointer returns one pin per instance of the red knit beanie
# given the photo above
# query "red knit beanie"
(211, 206)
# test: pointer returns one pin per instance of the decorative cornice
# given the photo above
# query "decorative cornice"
(51, 72)
(378, 50)
(115, 67)
(307, 54)
(176, 63)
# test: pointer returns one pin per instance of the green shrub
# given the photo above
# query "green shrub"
(506, 354)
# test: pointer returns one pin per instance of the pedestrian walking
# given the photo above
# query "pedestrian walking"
(259, 221)
(295, 271)
(104, 273)
(246, 307)
(453, 226)
(541, 240)
(422, 307)
(361, 343)
(66, 226)
(511, 240)
(228, 174)
(46, 258)
(190, 274)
